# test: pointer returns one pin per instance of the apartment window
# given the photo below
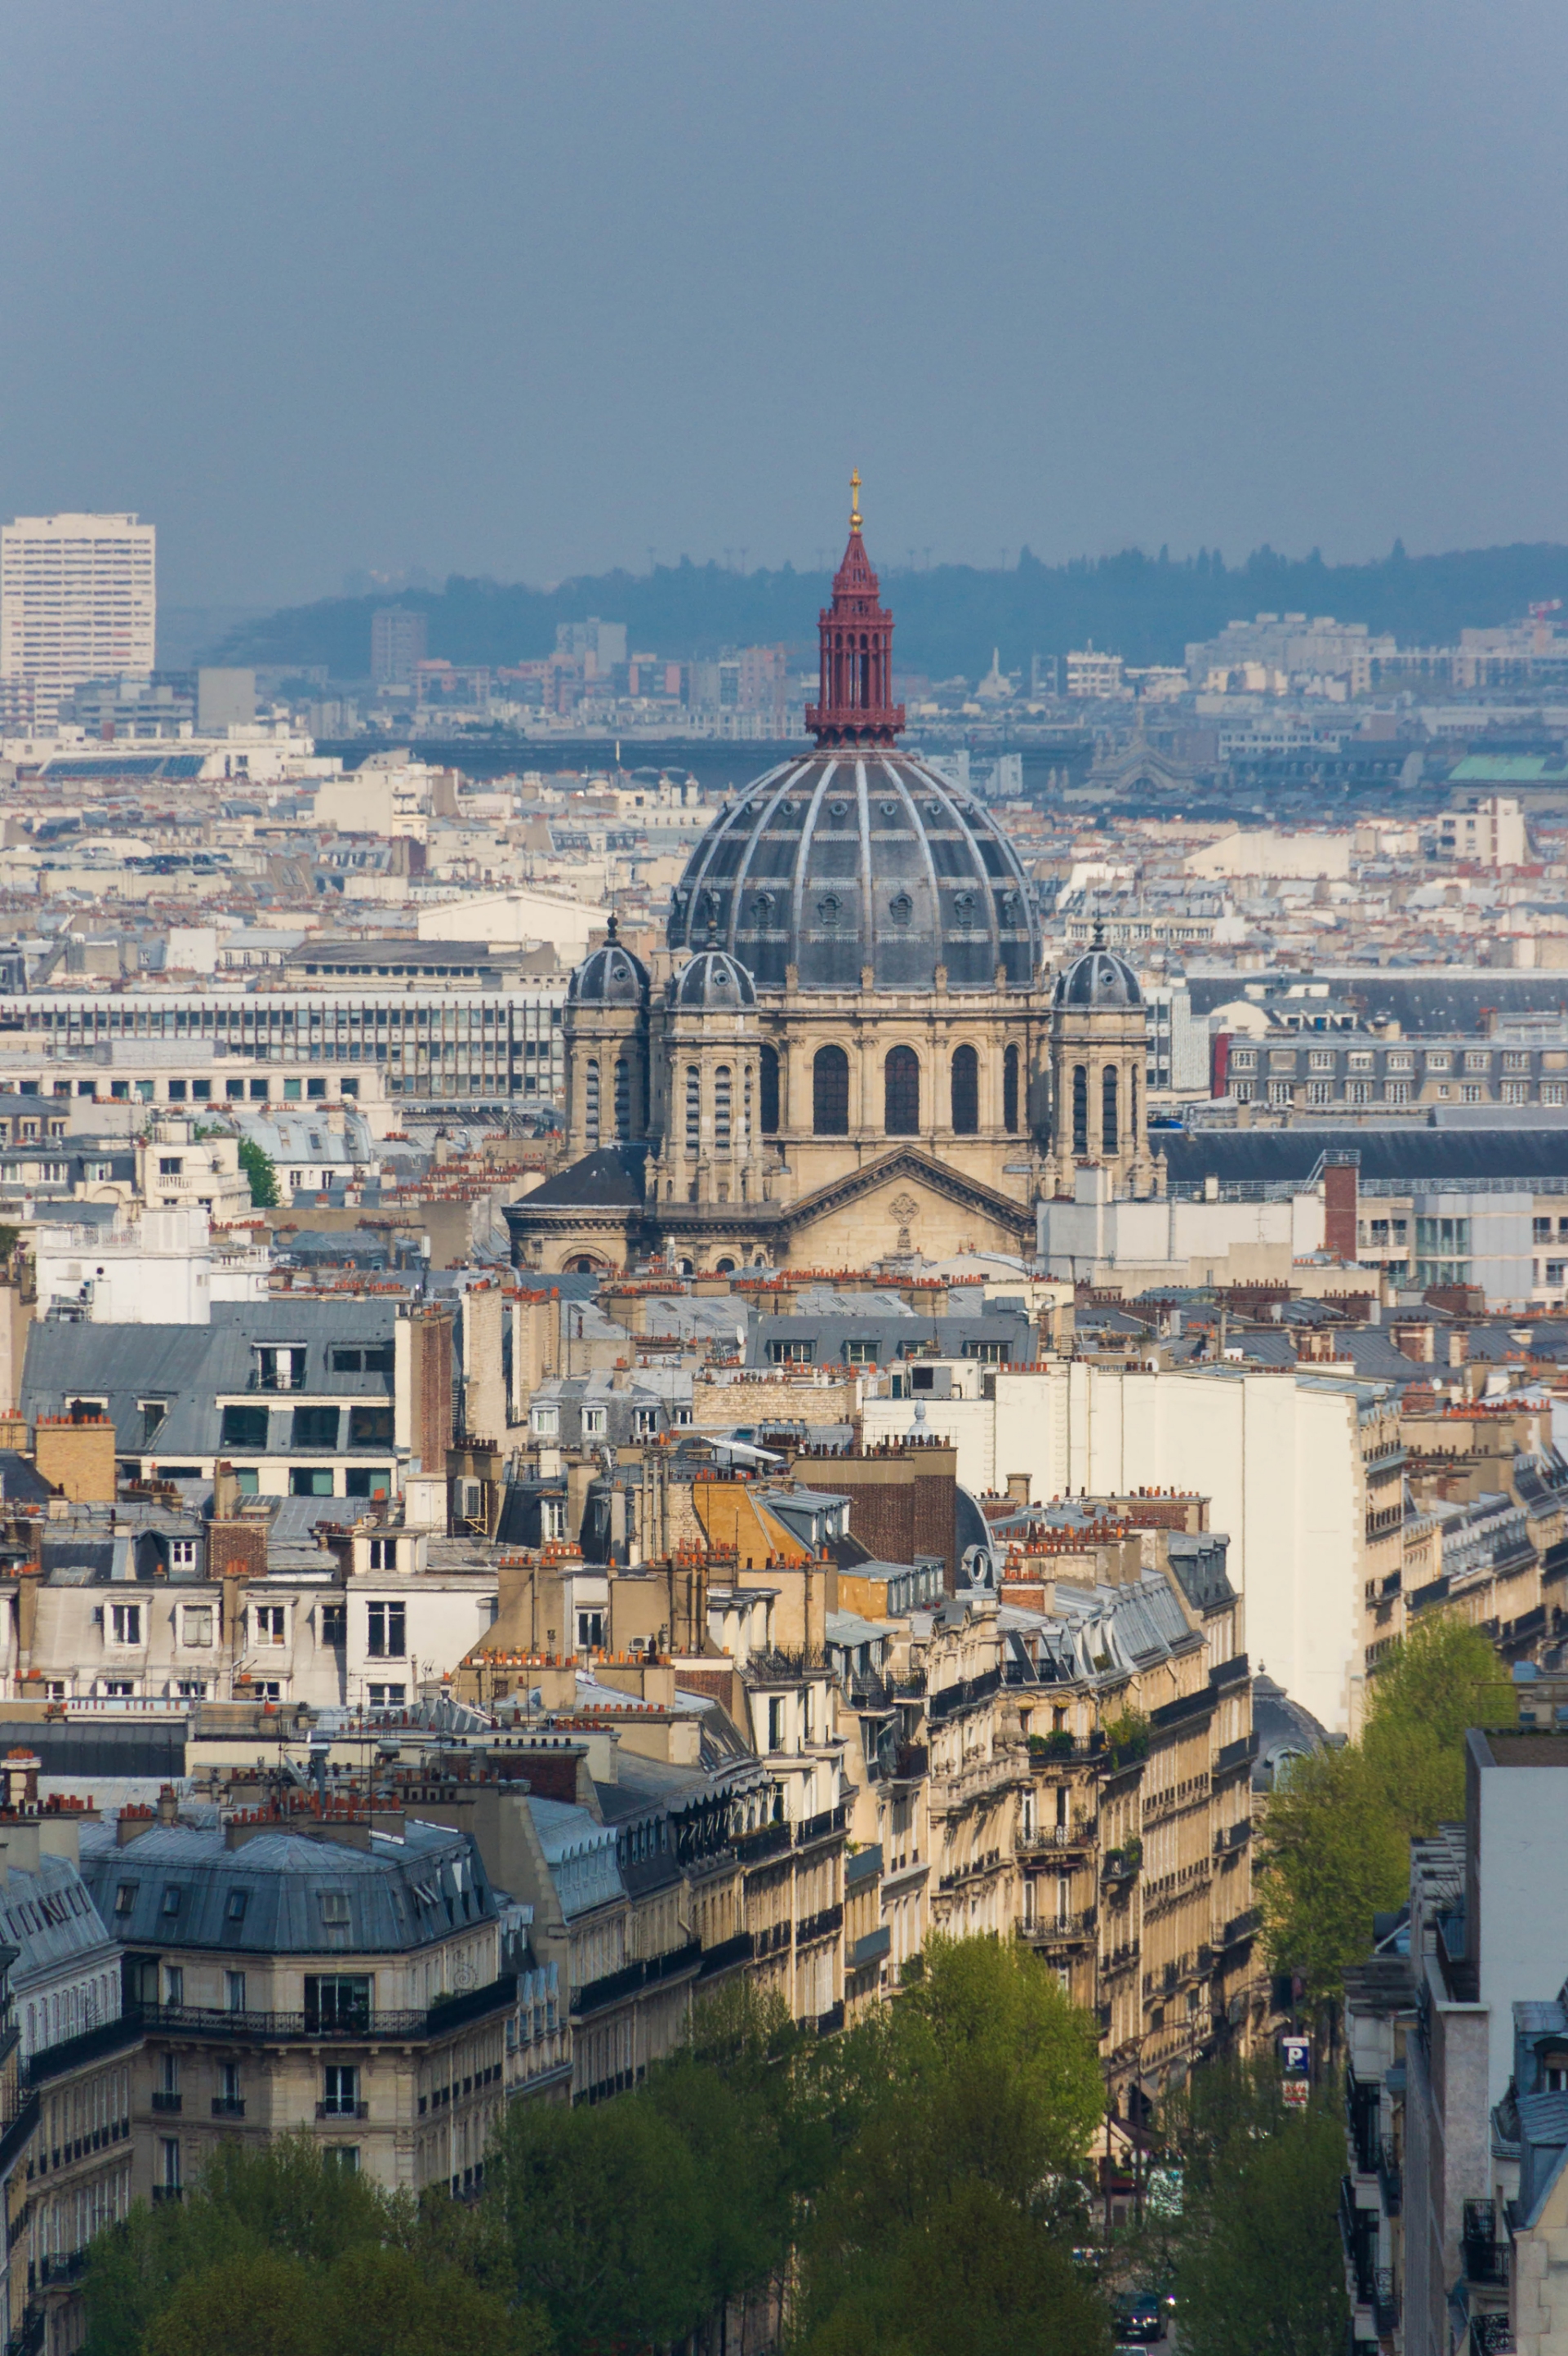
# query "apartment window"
(593, 1422)
(1359, 1092)
(153, 1412)
(310, 1481)
(386, 1630)
(1439, 1061)
(645, 1422)
(270, 1623)
(1279, 1092)
(337, 2003)
(125, 1624)
(1399, 1062)
(334, 1623)
(174, 1984)
(1552, 1092)
(1541, 1231)
(170, 1165)
(340, 2099)
(124, 1899)
(333, 1907)
(280, 1366)
(383, 1554)
(243, 1427)
(1359, 1061)
(1398, 1092)
(1319, 1092)
(1472, 1093)
(266, 1689)
(391, 1696)
(860, 1353)
(1243, 1091)
(1516, 1092)
(1476, 1059)
(1321, 1059)
(1555, 1268)
(551, 1518)
(192, 1688)
(546, 1423)
(182, 1554)
(168, 2162)
(234, 1989)
(370, 1426)
(794, 1353)
(1244, 1059)
(590, 1631)
(316, 1427)
(775, 1722)
(1516, 1063)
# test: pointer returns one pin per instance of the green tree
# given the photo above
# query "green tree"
(259, 1169)
(605, 2220)
(979, 2089)
(284, 2199)
(1335, 1844)
(1259, 2263)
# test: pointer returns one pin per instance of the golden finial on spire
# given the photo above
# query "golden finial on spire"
(855, 501)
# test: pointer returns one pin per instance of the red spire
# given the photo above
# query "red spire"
(856, 691)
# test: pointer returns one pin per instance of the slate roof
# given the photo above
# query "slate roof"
(607, 1179)
(265, 1898)
(1417, 1155)
(46, 1913)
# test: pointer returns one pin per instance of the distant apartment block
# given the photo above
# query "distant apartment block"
(599, 646)
(1094, 675)
(77, 601)
(399, 644)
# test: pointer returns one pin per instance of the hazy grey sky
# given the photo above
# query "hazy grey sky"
(528, 290)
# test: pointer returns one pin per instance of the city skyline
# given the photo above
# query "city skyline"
(1079, 290)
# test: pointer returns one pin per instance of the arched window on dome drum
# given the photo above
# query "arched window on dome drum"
(1079, 1109)
(693, 1108)
(767, 1077)
(1133, 1110)
(721, 1109)
(901, 1093)
(591, 1103)
(829, 1092)
(1010, 1091)
(1108, 1125)
(965, 1092)
(623, 1097)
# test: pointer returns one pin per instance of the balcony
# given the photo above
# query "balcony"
(871, 1949)
(820, 1828)
(648, 1971)
(767, 1841)
(228, 2106)
(282, 2027)
(164, 2099)
(1055, 1839)
(727, 1954)
(1390, 2181)
(820, 1925)
(1484, 2257)
(168, 2192)
(1060, 1930)
(1240, 1753)
(1230, 1838)
(342, 2110)
(61, 2267)
(1240, 1927)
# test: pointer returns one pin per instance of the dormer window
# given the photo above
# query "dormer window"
(280, 1366)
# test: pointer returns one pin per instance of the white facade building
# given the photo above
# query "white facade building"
(77, 601)
(1278, 1455)
(164, 1270)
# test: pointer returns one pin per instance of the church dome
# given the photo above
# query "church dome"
(1099, 978)
(713, 982)
(853, 857)
(611, 976)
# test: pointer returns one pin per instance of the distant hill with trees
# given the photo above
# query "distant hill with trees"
(1145, 608)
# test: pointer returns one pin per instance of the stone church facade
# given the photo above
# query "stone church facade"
(847, 1053)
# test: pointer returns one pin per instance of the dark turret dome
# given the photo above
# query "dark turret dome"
(713, 981)
(855, 857)
(611, 976)
(1099, 978)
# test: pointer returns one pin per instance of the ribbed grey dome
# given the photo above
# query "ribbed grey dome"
(713, 981)
(835, 861)
(1099, 978)
(611, 976)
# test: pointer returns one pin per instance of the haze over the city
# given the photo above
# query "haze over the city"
(529, 291)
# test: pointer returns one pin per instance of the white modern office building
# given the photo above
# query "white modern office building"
(77, 601)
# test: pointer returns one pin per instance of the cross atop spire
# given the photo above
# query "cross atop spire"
(855, 703)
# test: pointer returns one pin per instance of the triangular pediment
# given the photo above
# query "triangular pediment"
(909, 1167)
